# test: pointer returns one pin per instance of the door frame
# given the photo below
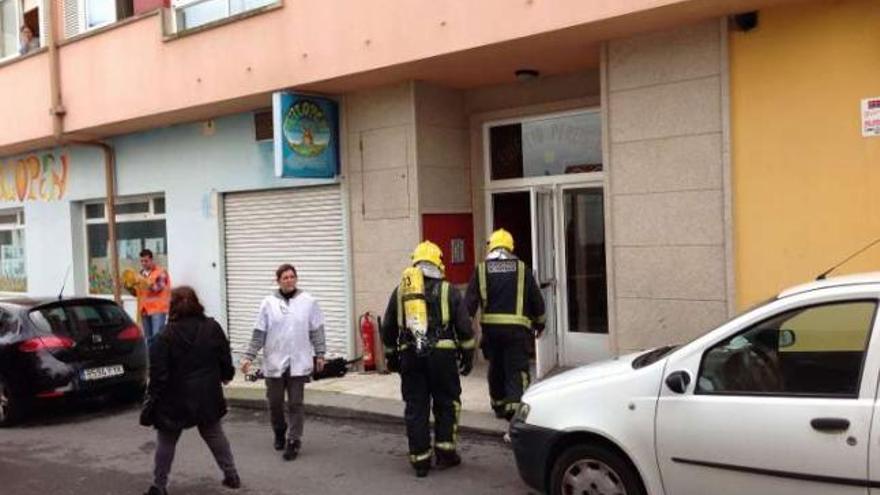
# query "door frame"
(558, 183)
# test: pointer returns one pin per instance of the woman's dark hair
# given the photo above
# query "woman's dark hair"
(287, 267)
(185, 303)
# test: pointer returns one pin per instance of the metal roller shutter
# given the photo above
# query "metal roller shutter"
(302, 226)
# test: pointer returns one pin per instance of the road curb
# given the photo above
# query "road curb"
(370, 409)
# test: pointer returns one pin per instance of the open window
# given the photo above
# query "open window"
(20, 27)
(97, 13)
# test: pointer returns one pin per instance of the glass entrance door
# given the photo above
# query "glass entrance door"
(585, 285)
(544, 249)
(559, 232)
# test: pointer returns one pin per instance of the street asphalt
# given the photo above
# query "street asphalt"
(99, 448)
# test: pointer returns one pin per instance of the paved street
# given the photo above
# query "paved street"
(102, 450)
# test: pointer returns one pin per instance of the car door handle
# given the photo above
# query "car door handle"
(830, 424)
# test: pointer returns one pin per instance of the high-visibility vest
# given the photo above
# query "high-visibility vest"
(154, 302)
(509, 310)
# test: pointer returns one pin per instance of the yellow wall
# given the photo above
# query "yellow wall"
(806, 183)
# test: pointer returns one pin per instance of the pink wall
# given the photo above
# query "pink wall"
(24, 113)
(129, 72)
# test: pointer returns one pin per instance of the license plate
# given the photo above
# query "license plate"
(102, 372)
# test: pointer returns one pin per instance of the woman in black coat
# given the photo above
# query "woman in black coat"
(189, 363)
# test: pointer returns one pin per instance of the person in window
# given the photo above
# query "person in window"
(290, 331)
(27, 42)
(189, 363)
(153, 296)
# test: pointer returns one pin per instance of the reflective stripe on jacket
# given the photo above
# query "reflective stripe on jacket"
(506, 293)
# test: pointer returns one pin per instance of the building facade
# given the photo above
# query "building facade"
(640, 151)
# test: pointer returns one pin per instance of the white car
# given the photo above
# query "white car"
(779, 400)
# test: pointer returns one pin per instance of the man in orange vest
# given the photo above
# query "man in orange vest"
(153, 295)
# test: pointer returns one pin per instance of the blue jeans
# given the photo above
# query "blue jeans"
(153, 326)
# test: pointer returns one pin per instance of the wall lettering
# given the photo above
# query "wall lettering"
(34, 178)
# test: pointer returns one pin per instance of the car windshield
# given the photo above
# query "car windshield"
(76, 320)
(652, 356)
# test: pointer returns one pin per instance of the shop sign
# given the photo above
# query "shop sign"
(39, 177)
(871, 117)
(306, 136)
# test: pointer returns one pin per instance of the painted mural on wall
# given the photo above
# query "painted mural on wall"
(38, 177)
(306, 136)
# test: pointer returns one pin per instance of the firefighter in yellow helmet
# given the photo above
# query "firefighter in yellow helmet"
(429, 340)
(511, 313)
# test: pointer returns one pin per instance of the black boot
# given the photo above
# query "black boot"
(155, 490)
(291, 450)
(279, 438)
(232, 481)
(446, 458)
(422, 468)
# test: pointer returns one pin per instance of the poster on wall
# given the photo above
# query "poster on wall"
(871, 117)
(306, 135)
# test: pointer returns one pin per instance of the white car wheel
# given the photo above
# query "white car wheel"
(593, 470)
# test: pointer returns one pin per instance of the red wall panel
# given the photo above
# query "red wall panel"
(448, 230)
(141, 6)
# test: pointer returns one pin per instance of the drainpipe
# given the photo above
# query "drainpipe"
(58, 111)
(110, 182)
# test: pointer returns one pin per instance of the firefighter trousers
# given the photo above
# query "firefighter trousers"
(507, 349)
(430, 383)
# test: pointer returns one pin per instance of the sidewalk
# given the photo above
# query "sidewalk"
(376, 397)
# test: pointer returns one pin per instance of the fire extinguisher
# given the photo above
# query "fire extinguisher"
(368, 332)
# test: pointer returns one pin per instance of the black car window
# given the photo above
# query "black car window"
(79, 319)
(51, 320)
(102, 315)
(652, 356)
(812, 351)
(8, 324)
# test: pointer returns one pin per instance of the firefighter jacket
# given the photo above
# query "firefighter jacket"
(507, 294)
(449, 328)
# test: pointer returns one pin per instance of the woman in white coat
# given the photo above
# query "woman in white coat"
(290, 331)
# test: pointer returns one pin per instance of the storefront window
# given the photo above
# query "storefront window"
(552, 145)
(138, 226)
(13, 273)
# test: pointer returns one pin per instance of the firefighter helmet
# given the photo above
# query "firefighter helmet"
(430, 252)
(500, 239)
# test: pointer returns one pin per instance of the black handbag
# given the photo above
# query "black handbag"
(148, 412)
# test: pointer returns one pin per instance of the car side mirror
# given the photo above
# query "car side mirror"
(786, 338)
(678, 381)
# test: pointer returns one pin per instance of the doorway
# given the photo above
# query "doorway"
(556, 213)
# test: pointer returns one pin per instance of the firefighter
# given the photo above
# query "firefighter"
(429, 341)
(511, 314)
